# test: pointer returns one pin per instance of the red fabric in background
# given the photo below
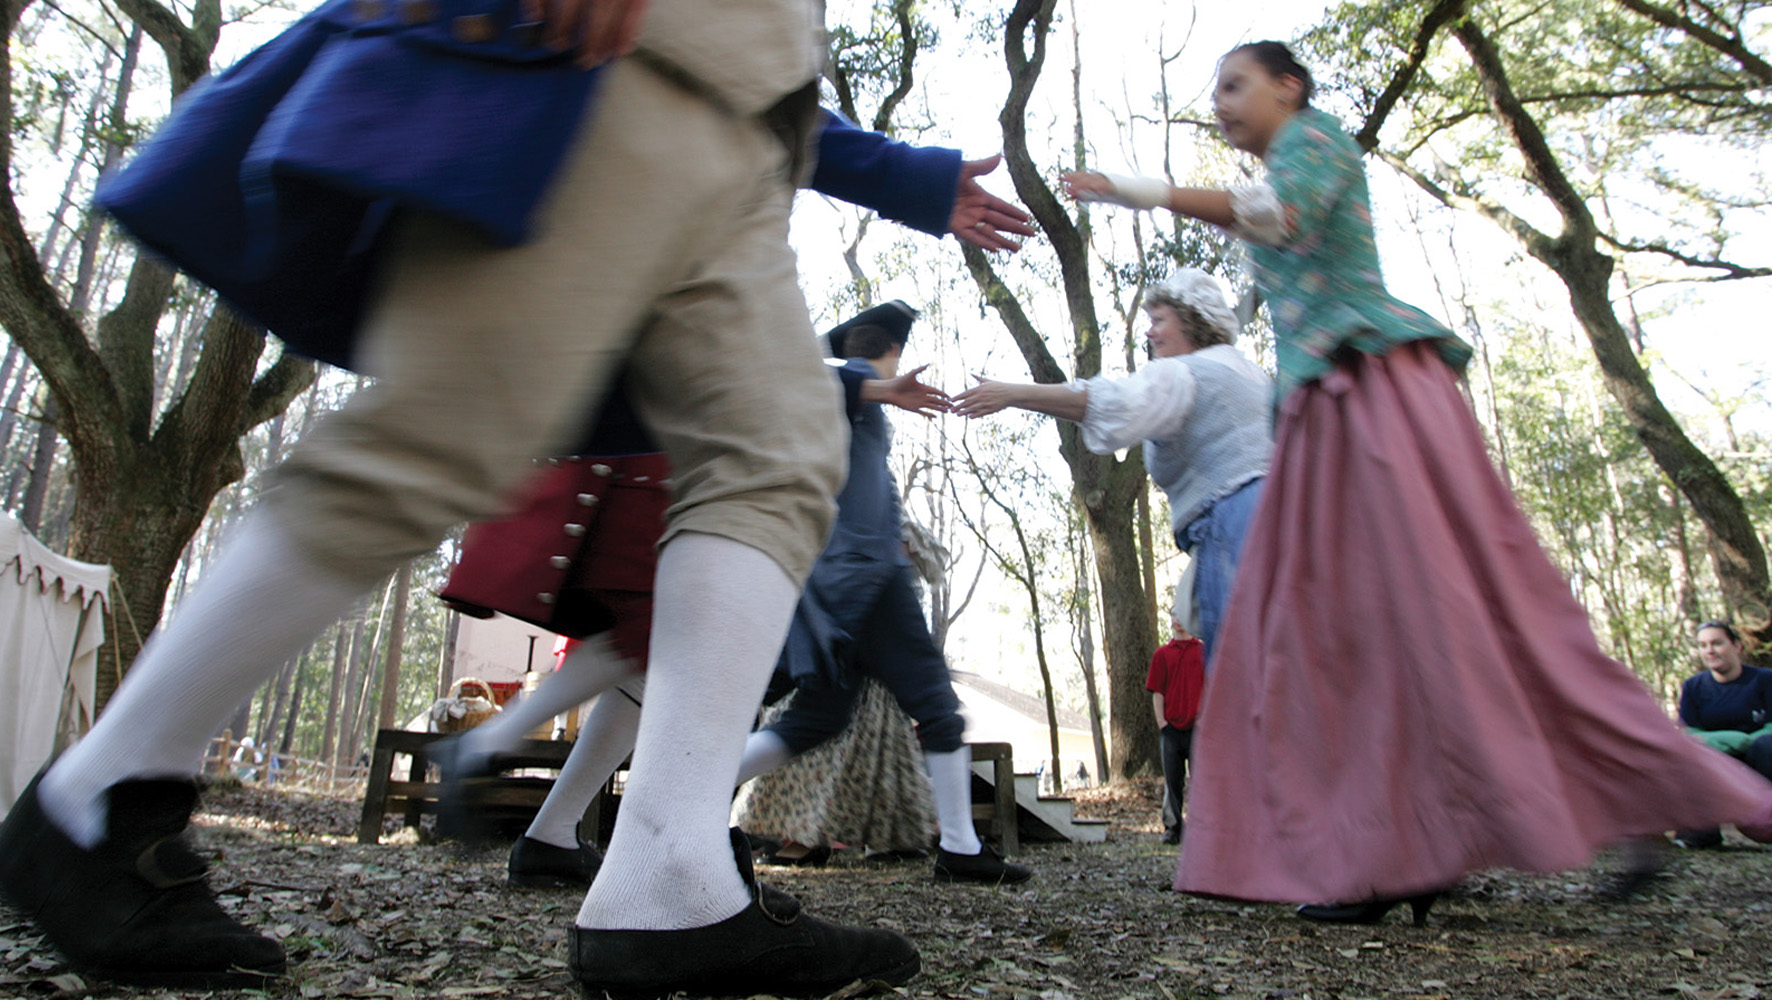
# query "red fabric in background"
(584, 533)
(1178, 671)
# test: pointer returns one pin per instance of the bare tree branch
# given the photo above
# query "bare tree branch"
(903, 14)
(1733, 47)
(288, 378)
(1437, 17)
(187, 48)
(1731, 271)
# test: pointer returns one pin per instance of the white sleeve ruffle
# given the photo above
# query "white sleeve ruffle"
(1149, 405)
(1257, 215)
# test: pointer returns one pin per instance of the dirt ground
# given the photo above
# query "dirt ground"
(415, 920)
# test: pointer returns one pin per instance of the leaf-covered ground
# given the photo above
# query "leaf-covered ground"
(413, 920)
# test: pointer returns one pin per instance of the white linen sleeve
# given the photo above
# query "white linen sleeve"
(1257, 215)
(1149, 405)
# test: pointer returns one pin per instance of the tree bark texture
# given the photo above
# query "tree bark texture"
(144, 484)
(1106, 488)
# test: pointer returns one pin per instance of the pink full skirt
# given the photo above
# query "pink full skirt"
(1404, 690)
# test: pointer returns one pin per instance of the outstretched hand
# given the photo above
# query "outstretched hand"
(1141, 193)
(987, 397)
(1086, 185)
(599, 30)
(980, 217)
(907, 392)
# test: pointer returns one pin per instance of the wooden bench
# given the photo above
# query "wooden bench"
(998, 814)
(416, 795)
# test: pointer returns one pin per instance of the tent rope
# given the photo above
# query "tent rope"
(129, 616)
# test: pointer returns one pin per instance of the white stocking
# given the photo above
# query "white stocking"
(604, 741)
(763, 752)
(720, 614)
(592, 668)
(262, 601)
(950, 777)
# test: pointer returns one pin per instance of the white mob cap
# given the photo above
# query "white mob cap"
(1199, 291)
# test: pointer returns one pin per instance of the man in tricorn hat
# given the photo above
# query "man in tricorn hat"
(860, 614)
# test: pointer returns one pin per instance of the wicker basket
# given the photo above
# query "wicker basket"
(470, 703)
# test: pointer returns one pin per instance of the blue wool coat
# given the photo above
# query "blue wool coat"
(275, 181)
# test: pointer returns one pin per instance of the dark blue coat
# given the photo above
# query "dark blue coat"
(864, 553)
(274, 181)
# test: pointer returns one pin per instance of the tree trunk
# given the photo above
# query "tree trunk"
(42, 467)
(1125, 603)
(364, 670)
(341, 645)
(1086, 654)
(267, 734)
(390, 677)
(1147, 557)
(145, 477)
(286, 742)
(1736, 551)
(1103, 486)
(446, 663)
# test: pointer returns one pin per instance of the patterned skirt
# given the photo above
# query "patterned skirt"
(866, 787)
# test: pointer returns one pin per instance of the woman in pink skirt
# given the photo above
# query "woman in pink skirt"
(1404, 689)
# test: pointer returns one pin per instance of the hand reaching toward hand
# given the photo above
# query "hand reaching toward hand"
(1085, 185)
(987, 397)
(907, 392)
(1143, 193)
(980, 217)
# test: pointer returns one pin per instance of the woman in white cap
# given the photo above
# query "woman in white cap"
(1201, 408)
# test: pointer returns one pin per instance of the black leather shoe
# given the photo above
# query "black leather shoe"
(1699, 840)
(536, 864)
(1172, 835)
(986, 866)
(770, 946)
(1644, 860)
(137, 908)
(898, 856)
(1369, 912)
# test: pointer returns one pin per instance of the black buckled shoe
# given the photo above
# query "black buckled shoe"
(536, 864)
(986, 866)
(770, 946)
(137, 908)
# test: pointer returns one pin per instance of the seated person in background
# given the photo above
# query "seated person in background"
(1727, 705)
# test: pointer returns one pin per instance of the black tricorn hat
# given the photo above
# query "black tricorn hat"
(895, 317)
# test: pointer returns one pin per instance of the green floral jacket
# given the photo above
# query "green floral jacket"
(1321, 281)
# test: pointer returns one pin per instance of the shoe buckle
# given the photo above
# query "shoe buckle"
(147, 865)
(763, 904)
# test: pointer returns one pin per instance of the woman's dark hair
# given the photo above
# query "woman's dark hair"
(1728, 630)
(1278, 60)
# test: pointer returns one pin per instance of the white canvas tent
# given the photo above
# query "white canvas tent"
(52, 612)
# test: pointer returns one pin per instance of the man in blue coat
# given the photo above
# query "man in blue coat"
(660, 249)
(862, 591)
